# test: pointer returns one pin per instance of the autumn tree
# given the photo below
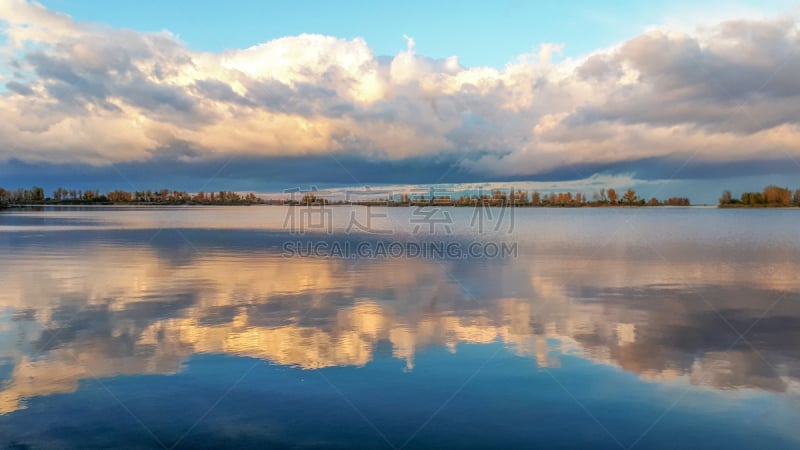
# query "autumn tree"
(499, 197)
(629, 197)
(612, 196)
(778, 196)
(119, 196)
(771, 196)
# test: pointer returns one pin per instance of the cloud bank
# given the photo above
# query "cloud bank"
(84, 93)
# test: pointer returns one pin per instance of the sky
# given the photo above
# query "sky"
(669, 98)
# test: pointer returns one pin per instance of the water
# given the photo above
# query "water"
(196, 327)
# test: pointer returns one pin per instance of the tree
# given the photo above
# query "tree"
(726, 198)
(752, 198)
(678, 201)
(796, 198)
(499, 197)
(37, 194)
(777, 196)
(308, 199)
(536, 199)
(521, 197)
(629, 197)
(119, 196)
(612, 196)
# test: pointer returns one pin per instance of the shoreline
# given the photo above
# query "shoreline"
(441, 205)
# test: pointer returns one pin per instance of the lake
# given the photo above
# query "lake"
(340, 327)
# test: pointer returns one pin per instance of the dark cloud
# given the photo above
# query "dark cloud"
(220, 91)
(275, 174)
(743, 82)
(159, 99)
(305, 99)
(599, 68)
(19, 88)
(63, 81)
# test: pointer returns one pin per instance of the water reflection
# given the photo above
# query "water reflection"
(79, 307)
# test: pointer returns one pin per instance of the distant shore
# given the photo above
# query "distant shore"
(36, 196)
(770, 197)
(344, 204)
(389, 204)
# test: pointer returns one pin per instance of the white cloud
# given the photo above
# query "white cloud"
(92, 94)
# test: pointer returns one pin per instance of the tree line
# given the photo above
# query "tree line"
(771, 197)
(60, 196)
(498, 197)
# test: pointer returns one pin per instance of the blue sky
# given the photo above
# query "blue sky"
(646, 94)
(480, 32)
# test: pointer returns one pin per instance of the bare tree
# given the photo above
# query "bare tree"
(726, 198)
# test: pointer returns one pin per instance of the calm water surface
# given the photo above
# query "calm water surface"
(195, 327)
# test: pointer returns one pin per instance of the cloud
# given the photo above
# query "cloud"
(91, 94)
(19, 88)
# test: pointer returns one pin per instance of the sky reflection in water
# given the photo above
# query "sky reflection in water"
(604, 321)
